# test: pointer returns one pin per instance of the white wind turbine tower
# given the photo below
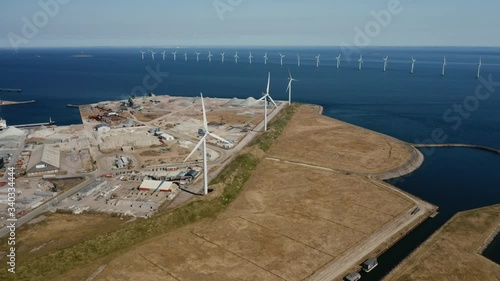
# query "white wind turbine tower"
(163, 54)
(203, 143)
(175, 55)
(197, 56)
(281, 58)
(265, 58)
(153, 54)
(444, 66)
(250, 57)
(317, 60)
(298, 60)
(385, 63)
(289, 88)
(236, 57)
(142, 54)
(360, 61)
(338, 61)
(479, 68)
(185, 56)
(266, 98)
(412, 64)
(210, 56)
(222, 55)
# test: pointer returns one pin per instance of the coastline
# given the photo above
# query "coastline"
(414, 161)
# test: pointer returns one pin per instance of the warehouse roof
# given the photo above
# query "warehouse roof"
(46, 154)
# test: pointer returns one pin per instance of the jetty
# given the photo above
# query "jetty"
(10, 90)
(5, 103)
(451, 145)
(51, 122)
(73, 105)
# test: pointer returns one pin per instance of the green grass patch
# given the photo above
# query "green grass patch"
(234, 177)
(276, 127)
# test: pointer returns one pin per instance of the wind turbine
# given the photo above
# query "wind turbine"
(266, 98)
(338, 61)
(250, 57)
(197, 56)
(298, 60)
(289, 88)
(444, 66)
(281, 58)
(317, 60)
(412, 64)
(163, 54)
(153, 54)
(210, 56)
(203, 143)
(360, 61)
(222, 55)
(236, 57)
(385, 63)
(142, 54)
(479, 68)
(185, 56)
(265, 58)
(175, 55)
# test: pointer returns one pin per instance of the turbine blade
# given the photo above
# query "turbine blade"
(205, 126)
(268, 82)
(217, 137)
(261, 99)
(196, 147)
(272, 100)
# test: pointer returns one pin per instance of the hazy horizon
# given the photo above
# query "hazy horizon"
(256, 23)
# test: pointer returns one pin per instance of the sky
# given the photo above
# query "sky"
(182, 23)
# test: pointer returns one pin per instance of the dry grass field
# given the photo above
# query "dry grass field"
(289, 220)
(44, 237)
(452, 252)
(319, 140)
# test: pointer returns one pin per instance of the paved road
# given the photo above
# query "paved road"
(47, 205)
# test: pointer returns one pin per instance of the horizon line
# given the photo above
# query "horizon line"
(248, 46)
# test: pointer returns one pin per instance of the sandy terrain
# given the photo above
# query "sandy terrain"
(452, 252)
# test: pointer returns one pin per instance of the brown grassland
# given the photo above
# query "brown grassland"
(274, 220)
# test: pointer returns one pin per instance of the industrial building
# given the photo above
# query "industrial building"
(121, 162)
(44, 159)
(161, 186)
(103, 128)
(166, 137)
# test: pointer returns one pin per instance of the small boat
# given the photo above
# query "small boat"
(370, 264)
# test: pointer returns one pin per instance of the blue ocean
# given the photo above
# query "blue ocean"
(424, 107)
